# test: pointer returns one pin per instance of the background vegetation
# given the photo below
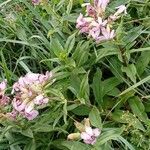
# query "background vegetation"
(107, 82)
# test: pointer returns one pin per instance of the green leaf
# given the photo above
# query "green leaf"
(45, 128)
(70, 43)
(69, 7)
(84, 88)
(130, 71)
(75, 84)
(110, 134)
(28, 132)
(138, 108)
(97, 86)
(9, 136)
(70, 145)
(81, 53)
(115, 67)
(57, 48)
(123, 98)
(140, 49)
(143, 62)
(95, 118)
(135, 85)
(21, 34)
(81, 110)
(101, 53)
(127, 144)
(106, 146)
(117, 3)
(31, 145)
(114, 92)
(133, 34)
(110, 84)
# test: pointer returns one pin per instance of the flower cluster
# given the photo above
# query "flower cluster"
(29, 94)
(87, 134)
(4, 100)
(95, 24)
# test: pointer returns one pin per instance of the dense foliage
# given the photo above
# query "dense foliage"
(69, 88)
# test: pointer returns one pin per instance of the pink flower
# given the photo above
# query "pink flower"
(83, 23)
(100, 5)
(18, 104)
(15, 87)
(107, 34)
(29, 92)
(90, 11)
(29, 107)
(31, 78)
(31, 115)
(90, 135)
(40, 100)
(35, 2)
(43, 78)
(121, 9)
(12, 115)
(80, 21)
(24, 108)
(26, 82)
(4, 100)
(95, 30)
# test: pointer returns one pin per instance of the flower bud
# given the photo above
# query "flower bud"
(73, 136)
(79, 126)
(87, 122)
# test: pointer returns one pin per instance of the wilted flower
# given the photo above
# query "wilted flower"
(29, 93)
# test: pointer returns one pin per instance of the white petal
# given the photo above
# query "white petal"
(89, 131)
(85, 136)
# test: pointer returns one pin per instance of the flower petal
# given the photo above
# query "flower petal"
(96, 132)
(85, 136)
(89, 131)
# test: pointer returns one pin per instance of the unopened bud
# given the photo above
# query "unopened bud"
(73, 136)
(86, 122)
